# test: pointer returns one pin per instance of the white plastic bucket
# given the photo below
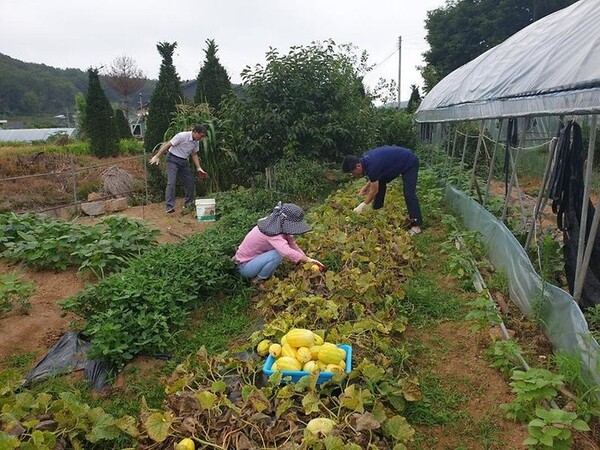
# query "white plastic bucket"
(206, 209)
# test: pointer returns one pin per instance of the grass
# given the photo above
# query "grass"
(442, 413)
(437, 294)
(137, 385)
(427, 301)
(69, 146)
(488, 432)
(216, 325)
(429, 293)
(20, 361)
(440, 406)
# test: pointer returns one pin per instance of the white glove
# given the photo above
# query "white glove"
(360, 208)
(315, 261)
(154, 159)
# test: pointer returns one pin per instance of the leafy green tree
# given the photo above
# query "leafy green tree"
(166, 96)
(100, 121)
(541, 8)
(309, 103)
(430, 77)
(123, 128)
(415, 99)
(27, 88)
(464, 29)
(385, 92)
(213, 81)
(394, 127)
(30, 102)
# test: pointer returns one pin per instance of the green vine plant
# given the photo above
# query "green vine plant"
(461, 257)
(45, 422)
(484, 312)
(531, 388)
(504, 355)
(551, 429)
(15, 294)
(46, 243)
(458, 263)
(592, 316)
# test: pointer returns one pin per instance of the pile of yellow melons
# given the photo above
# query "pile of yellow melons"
(303, 350)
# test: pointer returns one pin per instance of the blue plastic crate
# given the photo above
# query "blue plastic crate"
(292, 376)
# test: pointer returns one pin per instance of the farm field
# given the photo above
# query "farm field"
(34, 333)
(460, 394)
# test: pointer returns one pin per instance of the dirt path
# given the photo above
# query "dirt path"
(173, 227)
(454, 356)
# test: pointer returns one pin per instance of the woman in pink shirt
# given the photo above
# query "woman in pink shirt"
(271, 240)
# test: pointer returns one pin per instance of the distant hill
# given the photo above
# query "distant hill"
(30, 89)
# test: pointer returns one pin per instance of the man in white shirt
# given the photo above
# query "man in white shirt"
(180, 148)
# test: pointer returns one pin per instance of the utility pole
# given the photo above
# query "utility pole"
(399, 67)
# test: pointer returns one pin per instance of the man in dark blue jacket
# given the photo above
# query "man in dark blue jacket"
(382, 165)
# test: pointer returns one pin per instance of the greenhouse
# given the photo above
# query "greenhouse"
(537, 90)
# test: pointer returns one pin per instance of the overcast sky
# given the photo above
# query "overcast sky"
(85, 33)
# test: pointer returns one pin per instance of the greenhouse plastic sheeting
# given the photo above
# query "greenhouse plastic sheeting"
(548, 68)
(562, 321)
(33, 134)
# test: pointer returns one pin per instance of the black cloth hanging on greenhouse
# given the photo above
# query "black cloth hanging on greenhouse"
(512, 139)
(566, 193)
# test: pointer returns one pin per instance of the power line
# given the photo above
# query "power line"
(388, 57)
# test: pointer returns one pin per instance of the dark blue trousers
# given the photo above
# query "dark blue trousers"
(179, 167)
(409, 181)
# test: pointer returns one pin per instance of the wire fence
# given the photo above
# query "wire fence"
(69, 186)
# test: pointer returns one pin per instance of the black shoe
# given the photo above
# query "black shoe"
(171, 211)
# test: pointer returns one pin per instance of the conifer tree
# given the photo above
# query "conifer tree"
(415, 99)
(167, 94)
(100, 122)
(123, 128)
(213, 81)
